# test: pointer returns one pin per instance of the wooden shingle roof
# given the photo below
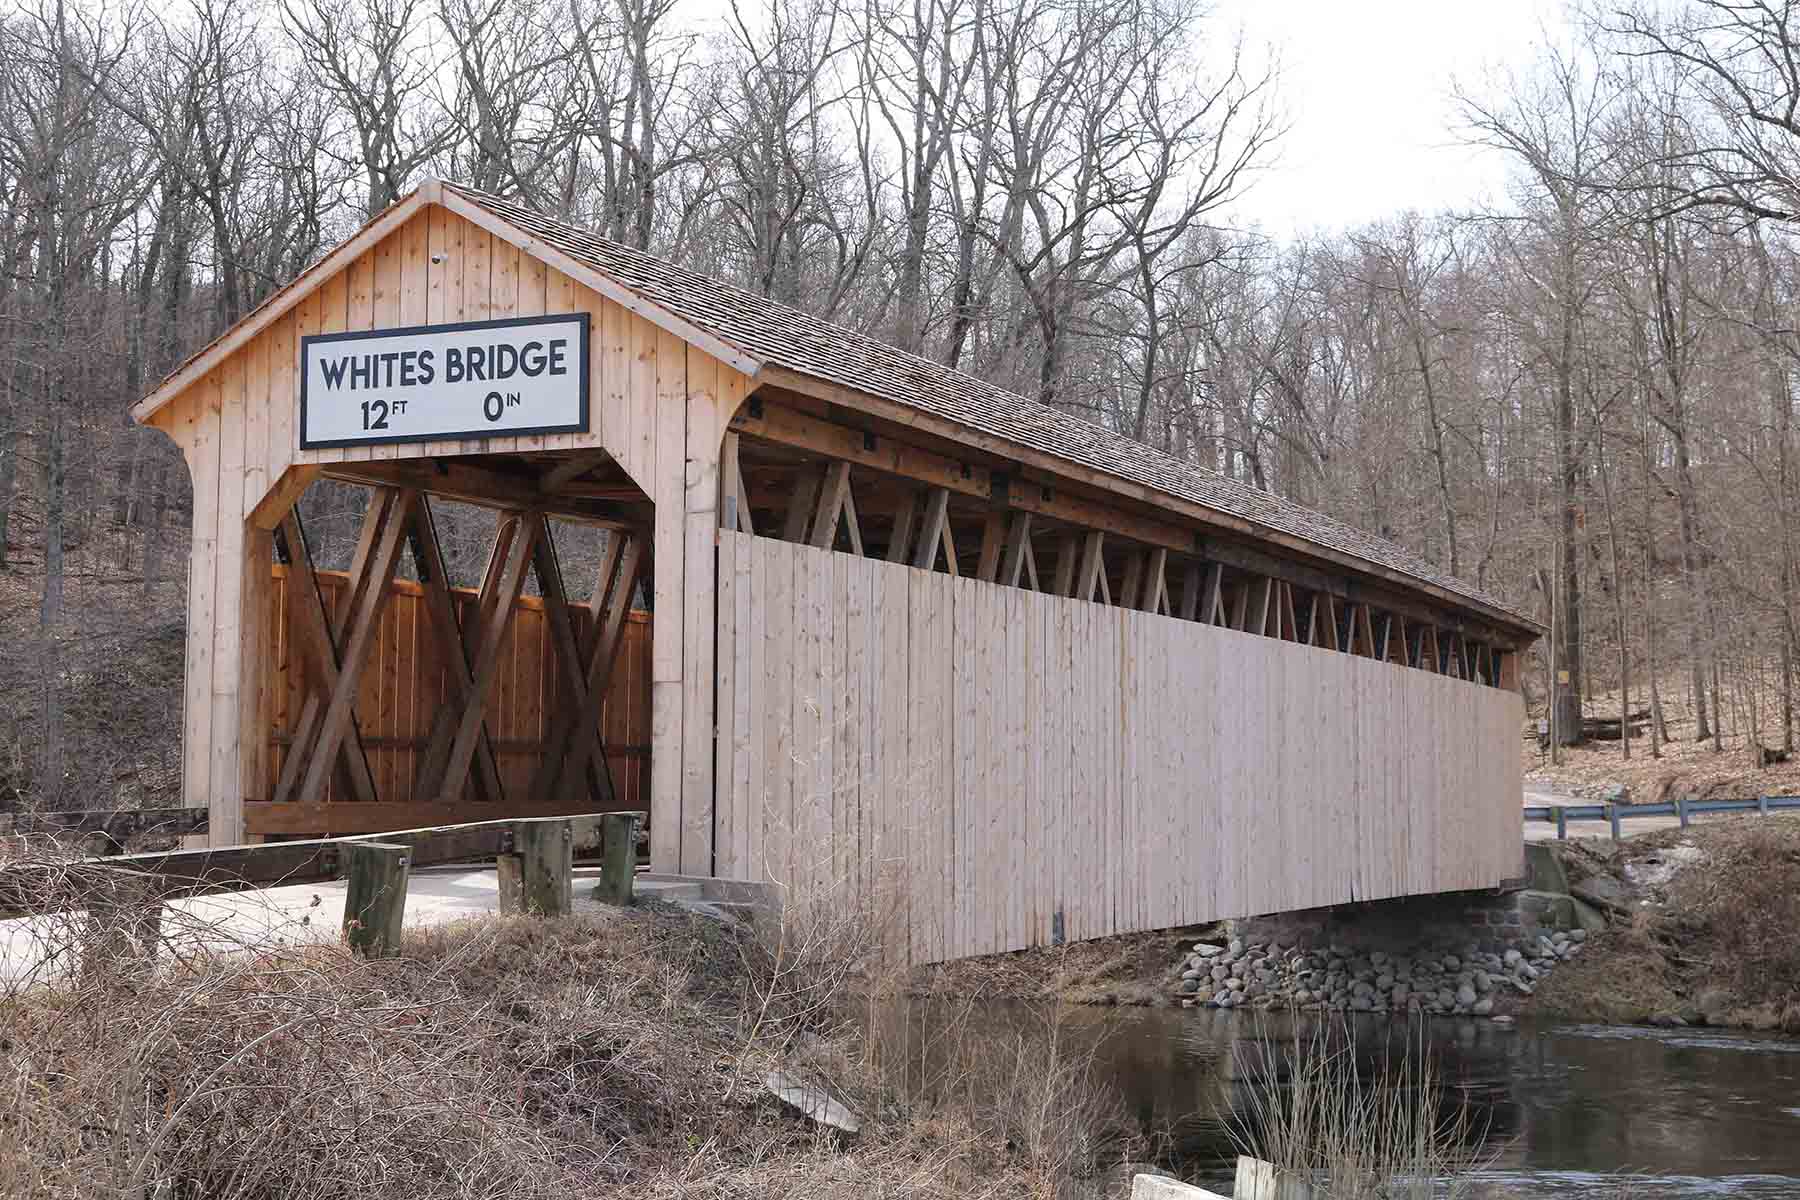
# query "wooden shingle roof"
(772, 333)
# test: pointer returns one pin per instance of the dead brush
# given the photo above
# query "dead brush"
(1312, 1112)
(498, 1057)
(606, 1054)
(1744, 905)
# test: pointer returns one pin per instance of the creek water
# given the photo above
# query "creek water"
(1568, 1108)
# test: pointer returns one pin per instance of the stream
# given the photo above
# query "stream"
(1569, 1108)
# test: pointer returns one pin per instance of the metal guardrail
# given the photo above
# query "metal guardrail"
(1683, 807)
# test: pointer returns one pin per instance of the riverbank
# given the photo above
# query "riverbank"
(644, 1051)
(1697, 926)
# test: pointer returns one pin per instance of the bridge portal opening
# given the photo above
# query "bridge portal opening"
(451, 639)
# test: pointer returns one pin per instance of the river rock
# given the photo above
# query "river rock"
(1221, 974)
(1237, 946)
(1189, 986)
(1208, 950)
(1190, 973)
(1465, 995)
(1483, 1006)
(1578, 935)
(1451, 962)
(1513, 957)
(1484, 983)
(1603, 891)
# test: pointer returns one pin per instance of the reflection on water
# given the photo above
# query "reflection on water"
(1687, 1112)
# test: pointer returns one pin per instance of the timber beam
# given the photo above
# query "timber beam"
(489, 488)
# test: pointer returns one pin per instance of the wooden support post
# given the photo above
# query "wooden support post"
(993, 539)
(1612, 818)
(375, 898)
(574, 743)
(452, 641)
(900, 540)
(124, 918)
(1762, 805)
(852, 523)
(1562, 824)
(1018, 549)
(509, 870)
(1312, 620)
(1131, 587)
(1066, 554)
(931, 531)
(1155, 598)
(618, 858)
(800, 504)
(320, 653)
(485, 663)
(830, 506)
(546, 851)
(1093, 564)
(1681, 810)
(1213, 602)
(1259, 1180)
(432, 762)
(1190, 592)
(733, 506)
(359, 640)
(569, 662)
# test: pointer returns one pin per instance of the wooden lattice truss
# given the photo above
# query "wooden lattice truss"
(334, 647)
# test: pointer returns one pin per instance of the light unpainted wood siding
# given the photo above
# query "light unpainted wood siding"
(995, 756)
(657, 404)
(406, 682)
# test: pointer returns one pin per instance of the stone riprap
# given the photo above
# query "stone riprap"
(1468, 982)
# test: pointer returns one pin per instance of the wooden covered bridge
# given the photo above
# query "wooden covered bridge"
(857, 619)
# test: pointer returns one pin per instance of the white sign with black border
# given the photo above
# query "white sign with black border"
(477, 379)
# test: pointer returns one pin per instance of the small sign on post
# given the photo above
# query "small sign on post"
(478, 379)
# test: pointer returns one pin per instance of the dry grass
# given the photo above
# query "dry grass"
(1135, 968)
(616, 1054)
(1713, 940)
(1743, 903)
(1316, 1116)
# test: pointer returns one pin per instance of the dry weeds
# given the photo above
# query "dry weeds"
(517, 1057)
(1315, 1115)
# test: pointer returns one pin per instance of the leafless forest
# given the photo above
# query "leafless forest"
(1581, 397)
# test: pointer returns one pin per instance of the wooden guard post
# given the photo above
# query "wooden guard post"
(618, 864)
(375, 900)
(539, 876)
(124, 914)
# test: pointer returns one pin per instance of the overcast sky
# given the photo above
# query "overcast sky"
(1366, 88)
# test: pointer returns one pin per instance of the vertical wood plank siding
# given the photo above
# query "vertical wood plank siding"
(658, 406)
(998, 756)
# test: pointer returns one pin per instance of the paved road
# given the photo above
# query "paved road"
(277, 915)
